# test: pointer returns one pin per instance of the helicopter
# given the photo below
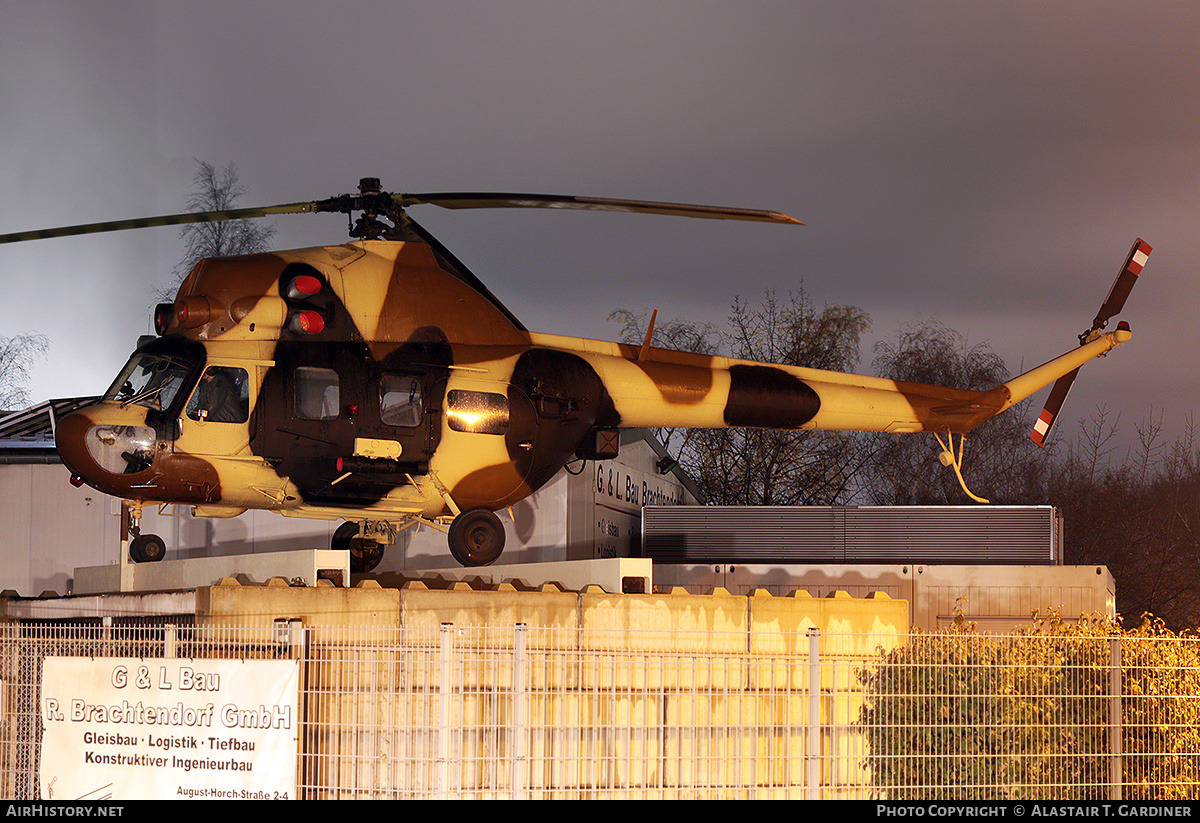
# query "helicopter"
(380, 382)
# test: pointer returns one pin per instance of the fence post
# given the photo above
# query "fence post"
(812, 754)
(1116, 764)
(289, 635)
(445, 737)
(519, 767)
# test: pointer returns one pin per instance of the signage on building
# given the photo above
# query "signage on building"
(149, 729)
(620, 494)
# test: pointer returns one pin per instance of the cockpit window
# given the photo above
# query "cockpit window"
(221, 396)
(150, 380)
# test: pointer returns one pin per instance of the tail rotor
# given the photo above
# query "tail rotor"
(1112, 305)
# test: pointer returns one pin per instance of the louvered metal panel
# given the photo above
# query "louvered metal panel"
(974, 535)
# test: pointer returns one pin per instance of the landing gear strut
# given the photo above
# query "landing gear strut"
(476, 537)
(365, 550)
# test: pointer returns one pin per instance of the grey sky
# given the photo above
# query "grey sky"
(985, 163)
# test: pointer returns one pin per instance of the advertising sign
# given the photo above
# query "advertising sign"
(620, 494)
(144, 728)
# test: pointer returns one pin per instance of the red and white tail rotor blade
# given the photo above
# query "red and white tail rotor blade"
(1121, 287)
(1112, 305)
(1054, 404)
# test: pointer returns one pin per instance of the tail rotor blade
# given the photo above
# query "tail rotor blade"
(1054, 404)
(1112, 305)
(1121, 287)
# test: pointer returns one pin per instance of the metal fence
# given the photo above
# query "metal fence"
(526, 712)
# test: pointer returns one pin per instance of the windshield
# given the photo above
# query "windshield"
(150, 380)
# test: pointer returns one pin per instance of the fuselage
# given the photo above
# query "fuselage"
(357, 380)
(369, 381)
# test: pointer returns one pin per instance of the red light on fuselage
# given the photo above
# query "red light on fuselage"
(307, 322)
(302, 286)
(163, 314)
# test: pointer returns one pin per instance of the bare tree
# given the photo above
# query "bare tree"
(17, 355)
(1140, 518)
(216, 189)
(1000, 462)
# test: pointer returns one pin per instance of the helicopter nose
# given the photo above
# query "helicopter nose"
(121, 449)
(100, 452)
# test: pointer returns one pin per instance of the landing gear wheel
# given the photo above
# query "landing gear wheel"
(365, 552)
(476, 538)
(147, 548)
(342, 537)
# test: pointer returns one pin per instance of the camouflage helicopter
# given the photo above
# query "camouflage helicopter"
(380, 382)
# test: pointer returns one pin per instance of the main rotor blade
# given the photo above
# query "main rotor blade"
(501, 200)
(1054, 404)
(1121, 287)
(164, 220)
(448, 200)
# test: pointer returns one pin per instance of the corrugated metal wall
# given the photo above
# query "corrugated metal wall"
(48, 527)
(993, 535)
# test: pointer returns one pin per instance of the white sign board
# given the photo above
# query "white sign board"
(620, 494)
(147, 729)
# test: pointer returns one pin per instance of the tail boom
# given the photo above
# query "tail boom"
(675, 389)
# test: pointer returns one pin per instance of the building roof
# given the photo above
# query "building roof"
(28, 435)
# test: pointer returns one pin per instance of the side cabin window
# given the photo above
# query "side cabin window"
(318, 395)
(478, 412)
(400, 402)
(221, 396)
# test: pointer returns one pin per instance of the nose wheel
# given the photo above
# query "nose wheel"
(147, 548)
(143, 548)
(476, 537)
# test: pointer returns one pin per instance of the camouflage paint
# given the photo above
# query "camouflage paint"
(388, 308)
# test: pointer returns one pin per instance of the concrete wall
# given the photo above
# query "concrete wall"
(670, 695)
(417, 606)
(997, 598)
